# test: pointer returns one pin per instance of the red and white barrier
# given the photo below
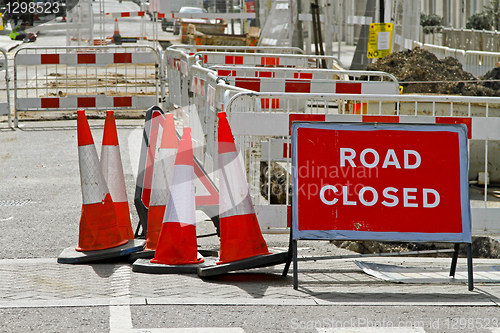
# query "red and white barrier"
(85, 58)
(99, 101)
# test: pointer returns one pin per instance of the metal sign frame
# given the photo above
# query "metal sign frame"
(296, 233)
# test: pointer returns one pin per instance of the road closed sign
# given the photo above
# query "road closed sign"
(390, 182)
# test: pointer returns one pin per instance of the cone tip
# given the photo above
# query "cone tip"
(221, 115)
(109, 113)
(186, 130)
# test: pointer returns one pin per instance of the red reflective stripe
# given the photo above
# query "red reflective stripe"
(122, 58)
(224, 72)
(264, 103)
(303, 117)
(49, 58)
(86, 58)
(248, 83)
(238, 60)
(297, 86)
(125, 14)
(49, 102)
(348, 88)
(161, 15)
(85, 102)
(202, 87)
(457, 120)
(269, 61)
(306, 76)
(122, 101)
(289, 216)
(265, 74)
(381, 119)
(141, 13)
(229, 60)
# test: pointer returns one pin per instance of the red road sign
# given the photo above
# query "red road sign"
(389, 182)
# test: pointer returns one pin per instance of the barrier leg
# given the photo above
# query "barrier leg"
(295, 267)
(290, 255)
(469, 267)
(454, 260)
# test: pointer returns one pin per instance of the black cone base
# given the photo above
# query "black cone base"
(72, 256)
(248, 263)
(146, 266)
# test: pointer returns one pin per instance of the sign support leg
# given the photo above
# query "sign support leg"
(290, 255)
(454, 260)
(469, 267)
(295, 268)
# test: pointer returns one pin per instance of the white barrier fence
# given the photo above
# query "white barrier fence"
(263, 137)
(94, 78)
(477, 63)
(4, 86)
(261, 121)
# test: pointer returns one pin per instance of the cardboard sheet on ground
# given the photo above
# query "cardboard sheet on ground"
(399, 274)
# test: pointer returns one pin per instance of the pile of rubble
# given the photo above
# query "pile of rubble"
(421, 72)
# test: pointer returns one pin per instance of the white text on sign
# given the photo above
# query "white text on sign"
(369, 196)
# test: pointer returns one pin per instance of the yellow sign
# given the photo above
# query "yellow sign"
(1, 21)
(379, 40)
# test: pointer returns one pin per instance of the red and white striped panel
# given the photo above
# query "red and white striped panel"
(278, 124)
(127, 14)
(198, 86)
(252, 59)
(279, 73)
(87, 102)
(85, 58)
(314, 86)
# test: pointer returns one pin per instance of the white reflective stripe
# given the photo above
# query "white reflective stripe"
(323, 87)
(28, 59)
(181, 205)
(94, 187)
(485, 128)
(143, 58)
(162, 176)
(234, 197)
(379, 88)
(68, 58)
(104, 58)
(112, 169)
(272, 85)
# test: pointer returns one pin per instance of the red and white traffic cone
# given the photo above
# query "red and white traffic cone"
(117, 38)
(98, 223)
(240, 234)
(162, 179)
(177, 243)
(112, 169)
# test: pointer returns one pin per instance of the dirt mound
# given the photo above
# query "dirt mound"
(434, 76)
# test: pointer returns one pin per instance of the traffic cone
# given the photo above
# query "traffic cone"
(117, 38)
(98, 223)
(162, 179)
(112, 169)
(177, 241)
(240, 234)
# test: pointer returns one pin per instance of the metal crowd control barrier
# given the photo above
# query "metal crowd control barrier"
(309, 81)
(92, 77)
(243, 49)
(475, 62)
(5, 101)
(263, 137)
(179, 59)
(269, 60)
